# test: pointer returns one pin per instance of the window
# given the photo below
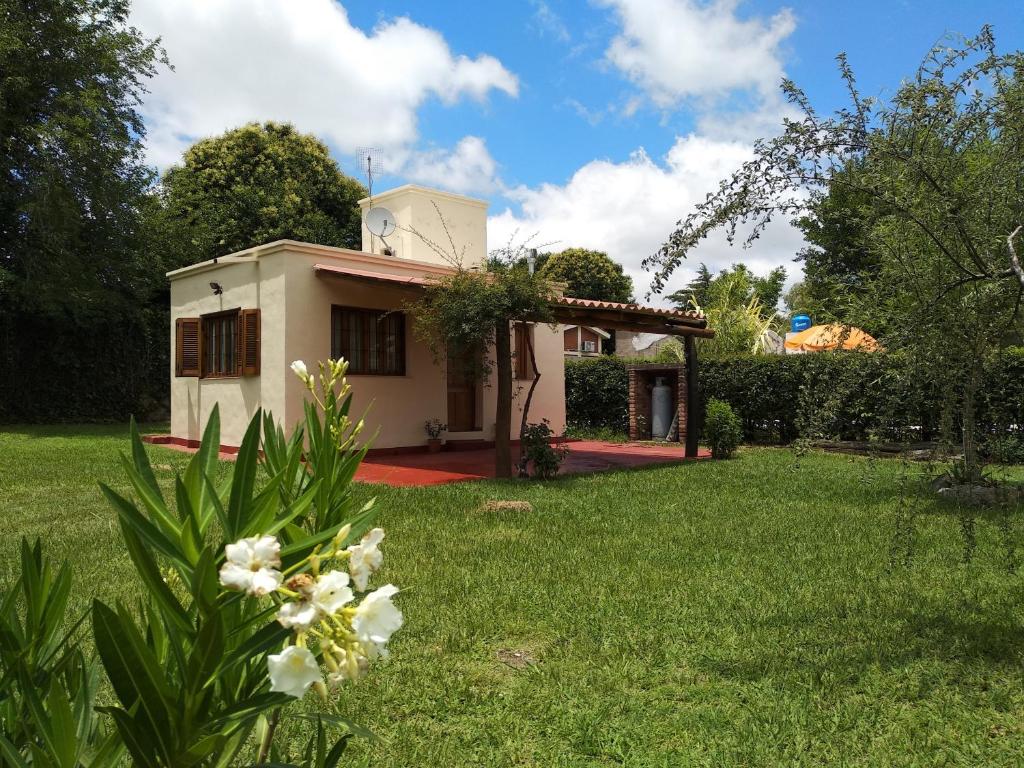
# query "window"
(523, 341)
(372, 340)
(220, 344)
(590, 346)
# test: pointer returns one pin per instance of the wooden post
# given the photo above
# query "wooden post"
(503, 410)
(692, 397)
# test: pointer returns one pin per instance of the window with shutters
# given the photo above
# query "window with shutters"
(371, 340)
(220, 355)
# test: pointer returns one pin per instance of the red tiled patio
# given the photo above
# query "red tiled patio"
(417, 469)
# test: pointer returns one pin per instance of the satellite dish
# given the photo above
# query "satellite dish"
(380, 221)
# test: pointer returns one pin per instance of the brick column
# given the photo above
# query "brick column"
(634, 433)
(681, 401)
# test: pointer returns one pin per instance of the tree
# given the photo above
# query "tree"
(72, 183)
(589, 275)
(734, 308)
(767, 289)
(470, 311)
(839, 263)
(256, 184)
(71, 77)
(934, 174)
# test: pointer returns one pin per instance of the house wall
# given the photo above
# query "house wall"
(295, 307)
(462, 235)
(248, 284)
(572, 339)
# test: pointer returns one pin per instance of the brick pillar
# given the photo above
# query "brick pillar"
(681, 401)
(634, 433)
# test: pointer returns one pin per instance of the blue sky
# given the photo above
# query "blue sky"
(584, 122)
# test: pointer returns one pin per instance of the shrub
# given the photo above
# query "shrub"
(256, 590)
(597, 394)
(722, 429)
(831, 395)
(538, 453)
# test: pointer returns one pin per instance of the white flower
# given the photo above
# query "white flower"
(252, 565)
(299, 616)
(365, 558)
(299, 369)
(292, 671)
(376, 619)
(331, 592)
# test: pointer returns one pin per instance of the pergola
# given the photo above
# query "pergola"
(565, 310)
(637, 318)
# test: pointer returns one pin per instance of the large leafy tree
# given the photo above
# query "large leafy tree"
(73, 273)
(934, 173)
(589, 275)
(253, 185)
(839, 262)
(72, 73)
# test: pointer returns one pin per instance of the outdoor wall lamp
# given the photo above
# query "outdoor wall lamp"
(217, 289)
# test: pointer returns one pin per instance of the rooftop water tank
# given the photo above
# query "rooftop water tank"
(799, 323)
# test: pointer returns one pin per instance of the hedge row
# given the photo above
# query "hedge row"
(846, 396)
(55, 369)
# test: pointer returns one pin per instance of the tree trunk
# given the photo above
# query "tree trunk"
(503, 412)
(969, 444)
(526, 406)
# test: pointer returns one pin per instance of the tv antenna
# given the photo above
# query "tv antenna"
(370, 164)
(381, 223)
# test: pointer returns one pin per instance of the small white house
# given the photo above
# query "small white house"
(239, 321)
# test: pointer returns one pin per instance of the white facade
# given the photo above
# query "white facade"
(295, 303)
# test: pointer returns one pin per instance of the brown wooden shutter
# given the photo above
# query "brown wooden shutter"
(186, 346)
(249, 345)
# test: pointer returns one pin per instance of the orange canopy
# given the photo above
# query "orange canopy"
(819, 338)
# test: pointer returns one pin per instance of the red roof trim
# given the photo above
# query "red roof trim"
(364, 274)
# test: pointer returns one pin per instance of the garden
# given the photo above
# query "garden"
(779, 607)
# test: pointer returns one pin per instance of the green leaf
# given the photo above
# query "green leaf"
(11, 755)
(268, 637)
(135, 741)
(135, 675)
(244, 477)
(64, 746)
(147, 568)
(204, 463)
(146, 530)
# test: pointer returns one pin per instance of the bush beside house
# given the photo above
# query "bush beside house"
(845, 396)
(597, 394)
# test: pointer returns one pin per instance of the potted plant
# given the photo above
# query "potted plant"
(434, 429)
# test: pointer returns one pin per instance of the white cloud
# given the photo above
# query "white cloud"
(304, 62)
(628, 209)
(549, 23)
(468, 168)
(682, 49)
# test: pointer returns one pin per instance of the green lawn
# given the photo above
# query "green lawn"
(711, 614)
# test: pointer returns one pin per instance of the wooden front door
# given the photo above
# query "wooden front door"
(462, 387)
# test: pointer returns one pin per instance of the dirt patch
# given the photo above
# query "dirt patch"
(503, 507)
(516, 659)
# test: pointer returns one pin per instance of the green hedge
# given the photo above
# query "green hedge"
(63, 369)
(597, 394)
(845, 396)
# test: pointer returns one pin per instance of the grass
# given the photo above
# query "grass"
(740, 613)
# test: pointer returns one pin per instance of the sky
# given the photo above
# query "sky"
(589, 123)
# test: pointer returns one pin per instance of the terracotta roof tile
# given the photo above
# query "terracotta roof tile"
(687, 314)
